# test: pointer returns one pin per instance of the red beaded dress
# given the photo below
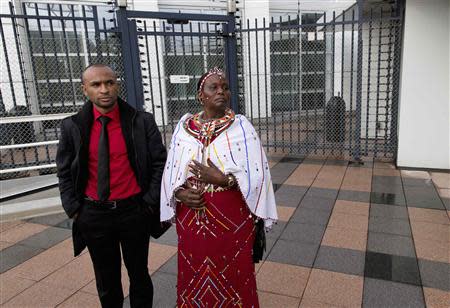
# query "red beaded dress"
(215, 265)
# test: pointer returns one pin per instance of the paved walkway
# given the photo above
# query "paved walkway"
(350, 236)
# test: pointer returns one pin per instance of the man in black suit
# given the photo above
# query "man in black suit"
(110, 161)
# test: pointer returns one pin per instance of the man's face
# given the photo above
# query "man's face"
(101, 87)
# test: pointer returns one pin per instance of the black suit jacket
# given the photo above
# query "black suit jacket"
(146, 153)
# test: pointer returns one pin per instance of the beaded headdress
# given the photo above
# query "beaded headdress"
(213, 71)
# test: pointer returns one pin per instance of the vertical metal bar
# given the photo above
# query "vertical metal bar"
(357, 152)
(123, 26)
(183, 48)
(342, 76)
(159, 83)
(66, 49)
(150, 77)
(290, 88)
(55, 54)
(136, 68)
(325, 74)
(250, 70)
(282, 74)
(86, 33)
(333, 52)
(298, 59)
(342, 54)
(200, 41)
(33, 65)
(368, 83)
(97, 34)
(11, 85)
(273, 96)
(388, 83)
(165, 57)
(178, 99)
(47, 79)
(231, 56)
(315, 91)
(396, 80)
(208, 45)
(350, 137)
(257, 77)
(21, 68)
(265, 84)
(108, 51)
(76, 37)
(8, 66)
(380, 25)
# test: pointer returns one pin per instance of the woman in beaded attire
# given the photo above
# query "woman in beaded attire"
(216, 184)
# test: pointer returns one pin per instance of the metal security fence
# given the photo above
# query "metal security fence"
(44, 48)
(324, 84)
(313, 83)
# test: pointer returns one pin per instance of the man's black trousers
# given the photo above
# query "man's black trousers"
(107, 231)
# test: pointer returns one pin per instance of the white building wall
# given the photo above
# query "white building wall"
(256, 61)
(424, 100)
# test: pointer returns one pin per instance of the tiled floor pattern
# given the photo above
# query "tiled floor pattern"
(348, 235)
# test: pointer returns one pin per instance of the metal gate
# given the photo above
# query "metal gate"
(324, 85)
(165, 54)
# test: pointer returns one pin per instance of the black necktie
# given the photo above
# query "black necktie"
(103, 161)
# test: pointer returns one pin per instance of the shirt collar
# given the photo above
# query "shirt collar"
(113, 114)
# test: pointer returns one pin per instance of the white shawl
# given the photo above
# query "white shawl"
(238, 151)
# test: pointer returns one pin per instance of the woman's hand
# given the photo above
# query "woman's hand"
(191, 197)
(208, 174)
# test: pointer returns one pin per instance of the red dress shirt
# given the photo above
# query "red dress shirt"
(123, 183)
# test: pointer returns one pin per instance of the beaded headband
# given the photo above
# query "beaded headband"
(213, 71)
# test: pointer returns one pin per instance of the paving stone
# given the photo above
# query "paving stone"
(391, 244)
(276, 230)
(304, 233)
(391, 226)
(281, 171)
(352, 195)
(290, 195)
(66, 224)
(50, 220)
(392, 268)
(47, 238)
(327, 193)
(310, 216)
(171, 266)
(435, 274)
(323, 204)
(379, 293)
(388, 211)
(340, 260)
(412, 182)
(165, 290)
(387, 198)
(423, 197)
(15, 255)
(294, 253)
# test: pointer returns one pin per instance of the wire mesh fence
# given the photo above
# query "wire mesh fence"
(323, 84)
(328, 85)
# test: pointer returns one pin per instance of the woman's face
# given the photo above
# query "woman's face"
(215, 95)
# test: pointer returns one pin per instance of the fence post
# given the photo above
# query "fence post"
(128, 43)
(357, 150)
(231, 60)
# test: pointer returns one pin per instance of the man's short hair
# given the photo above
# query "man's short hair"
(94, 65)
